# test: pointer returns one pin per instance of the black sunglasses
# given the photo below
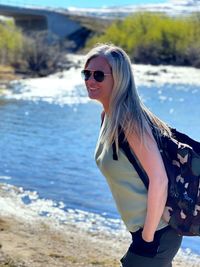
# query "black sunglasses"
(98, 75)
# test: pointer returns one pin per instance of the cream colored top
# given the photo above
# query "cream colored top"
(127, 188)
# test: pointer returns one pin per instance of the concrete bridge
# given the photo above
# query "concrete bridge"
(54, 21)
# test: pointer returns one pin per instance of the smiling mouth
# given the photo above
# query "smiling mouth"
(93, 89)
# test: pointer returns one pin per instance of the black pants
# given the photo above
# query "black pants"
(169, 243)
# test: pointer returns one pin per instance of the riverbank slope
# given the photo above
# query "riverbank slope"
(38, 244)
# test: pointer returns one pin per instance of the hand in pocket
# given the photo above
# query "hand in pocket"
(140, 247)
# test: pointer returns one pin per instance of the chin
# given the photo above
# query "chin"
(93, 96)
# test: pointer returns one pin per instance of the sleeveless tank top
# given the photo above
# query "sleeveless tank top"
(127, 188)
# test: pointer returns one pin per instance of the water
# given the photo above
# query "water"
(48, 132)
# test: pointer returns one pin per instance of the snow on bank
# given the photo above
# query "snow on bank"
(163, 74)
(149, 75)
(171, 7)
(67, 87)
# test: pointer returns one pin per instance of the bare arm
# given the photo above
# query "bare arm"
(151, 160)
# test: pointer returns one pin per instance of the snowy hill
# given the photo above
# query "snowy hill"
(172, 7)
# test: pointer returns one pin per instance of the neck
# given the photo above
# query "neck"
(106, 108)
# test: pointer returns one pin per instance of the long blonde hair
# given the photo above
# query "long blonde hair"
(126, 109)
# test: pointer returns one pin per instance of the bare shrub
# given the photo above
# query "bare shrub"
(42, 55)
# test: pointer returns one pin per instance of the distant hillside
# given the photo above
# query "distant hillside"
(172, 8)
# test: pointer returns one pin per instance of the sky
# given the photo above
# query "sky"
(79, 3)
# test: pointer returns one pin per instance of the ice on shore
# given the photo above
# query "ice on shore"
(67, 87)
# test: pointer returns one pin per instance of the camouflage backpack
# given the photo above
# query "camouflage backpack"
(181, 157)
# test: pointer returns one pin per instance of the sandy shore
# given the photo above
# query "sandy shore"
(25, 244)
(38, 244)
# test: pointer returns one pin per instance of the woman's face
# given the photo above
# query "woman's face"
(100, 91)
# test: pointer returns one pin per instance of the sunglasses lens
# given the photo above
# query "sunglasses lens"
(99, 76)
(85, 74)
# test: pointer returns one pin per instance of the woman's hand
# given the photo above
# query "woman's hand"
(146, 236)
(143, 248)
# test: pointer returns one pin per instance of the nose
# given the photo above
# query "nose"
(91, 79)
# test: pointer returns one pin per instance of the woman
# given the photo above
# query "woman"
(109, 79)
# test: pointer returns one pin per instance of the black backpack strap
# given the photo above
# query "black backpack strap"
(115, 157)
(124, 145)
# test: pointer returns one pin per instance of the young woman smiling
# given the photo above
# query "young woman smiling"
(109, 79)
